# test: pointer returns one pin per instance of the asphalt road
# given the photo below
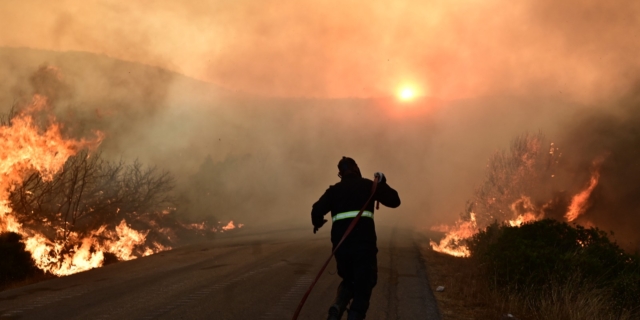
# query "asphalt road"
(239, 276)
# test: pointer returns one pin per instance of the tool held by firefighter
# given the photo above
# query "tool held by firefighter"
(353, 236)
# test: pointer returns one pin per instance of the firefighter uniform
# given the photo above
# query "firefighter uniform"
(356, 258)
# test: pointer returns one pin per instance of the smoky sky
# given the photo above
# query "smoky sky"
(284, 89)
(355, 48)
(611, 141)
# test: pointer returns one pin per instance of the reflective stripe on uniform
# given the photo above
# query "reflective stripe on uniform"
(351, 214)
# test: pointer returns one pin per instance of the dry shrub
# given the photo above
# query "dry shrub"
(572, 301)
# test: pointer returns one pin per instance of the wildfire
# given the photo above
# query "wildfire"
(230, 226)
(579, 202)
(522, 219)
(523, 209)
(24, 149)
(452, 241)
(202, 226)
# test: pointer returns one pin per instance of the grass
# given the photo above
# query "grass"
(471, 293)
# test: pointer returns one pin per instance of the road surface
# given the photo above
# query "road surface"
(239, 276)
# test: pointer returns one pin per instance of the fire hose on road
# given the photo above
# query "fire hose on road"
(351, 226)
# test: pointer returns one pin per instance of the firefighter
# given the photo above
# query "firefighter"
(356, 257)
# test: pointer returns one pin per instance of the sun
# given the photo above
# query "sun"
(406, 94)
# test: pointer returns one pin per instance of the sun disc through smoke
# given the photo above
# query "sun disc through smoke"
(406, 94)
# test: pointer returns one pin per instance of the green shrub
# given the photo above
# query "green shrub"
(532, 258)
(16, 263)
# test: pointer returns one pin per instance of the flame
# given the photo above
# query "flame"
(229, 226)
(522, 219)
(124, 240)
(203, 227)
(24, 149)
(452, 241)
(579, 202)
(524, 210)
(530, 214)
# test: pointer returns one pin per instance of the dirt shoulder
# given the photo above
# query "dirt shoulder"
(463, 297)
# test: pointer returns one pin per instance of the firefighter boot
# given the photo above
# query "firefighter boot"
(343, 296)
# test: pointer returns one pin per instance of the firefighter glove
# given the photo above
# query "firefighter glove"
(319, 225)
(381, 177)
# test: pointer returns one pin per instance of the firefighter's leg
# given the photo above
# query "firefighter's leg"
(343, 297)
(344, 293)
(365, 279)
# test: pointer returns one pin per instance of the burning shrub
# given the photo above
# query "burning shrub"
(515, 191)
(515, 180)
(89, 192)
(16, 263)
(66, 202)
(536, 257)
(75, 210)
(81, 211)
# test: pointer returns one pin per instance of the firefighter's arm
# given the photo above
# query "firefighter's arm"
(320, 208)
(387, 195)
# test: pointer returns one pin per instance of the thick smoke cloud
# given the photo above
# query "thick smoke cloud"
(492, 70)
(612, 139)
(87, 92)
(353, 48)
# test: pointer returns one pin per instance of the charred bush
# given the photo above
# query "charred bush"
(537, 256)
(16, 263)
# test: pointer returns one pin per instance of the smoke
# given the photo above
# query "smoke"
(611, 137)
(264, 161)
(353, 48)
(87, 92)
(492, 70)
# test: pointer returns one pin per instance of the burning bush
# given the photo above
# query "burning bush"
(516, 181)
(515, 191)
(89, 192)
(74, 209)
(537, 258)
(522, 184)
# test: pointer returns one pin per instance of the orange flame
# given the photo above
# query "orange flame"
(579, 202)
(24, 148)
(522, 219)
(531, 213)
(229, 226)
(451, 243)
(524, 210)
